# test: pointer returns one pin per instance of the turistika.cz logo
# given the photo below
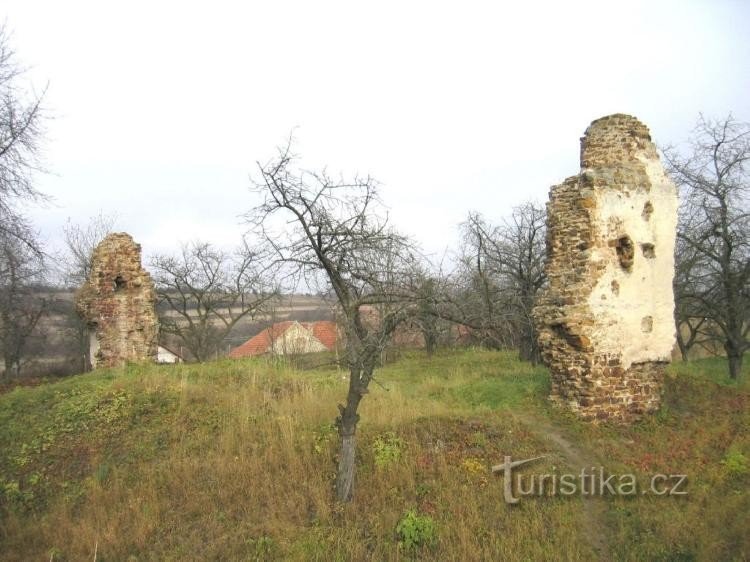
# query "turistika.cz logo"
(590, 481)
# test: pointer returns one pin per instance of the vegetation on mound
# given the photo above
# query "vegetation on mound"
(235, 460)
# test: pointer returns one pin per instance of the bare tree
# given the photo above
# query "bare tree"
(81, 241)
(20, 137)
(714, 232)
(22, 302)
(335, 232)
(428, 318)
(204, 292)
(22, 263)
(474, 298)
(692, 326)
(503, 271)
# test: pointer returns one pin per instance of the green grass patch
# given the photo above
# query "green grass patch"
(711, 369)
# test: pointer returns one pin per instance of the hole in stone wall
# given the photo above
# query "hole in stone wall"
(577, 341)
(119, 283)
(647, 324)
(648, 250)
(615, 288)
(648, 209)
(625, 252)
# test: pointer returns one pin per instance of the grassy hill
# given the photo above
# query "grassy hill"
(235, 461)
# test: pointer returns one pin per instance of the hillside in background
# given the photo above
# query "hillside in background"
(234, 460)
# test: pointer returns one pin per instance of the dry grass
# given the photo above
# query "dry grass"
(235, 460)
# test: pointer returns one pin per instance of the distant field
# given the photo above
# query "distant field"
(234, 460)
(56, 350)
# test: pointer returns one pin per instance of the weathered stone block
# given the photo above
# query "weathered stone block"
(615, 290)
(118, 303)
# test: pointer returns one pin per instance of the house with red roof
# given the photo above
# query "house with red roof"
(290, 338)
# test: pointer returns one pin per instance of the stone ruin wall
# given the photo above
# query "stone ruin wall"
(118, 303)
(605, 321)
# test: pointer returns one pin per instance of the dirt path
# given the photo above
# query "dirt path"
(594, 507)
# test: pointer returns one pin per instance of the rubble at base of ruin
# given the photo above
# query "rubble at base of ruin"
(605, 320)
(118, 303)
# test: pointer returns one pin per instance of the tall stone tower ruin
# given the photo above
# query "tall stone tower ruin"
(118, 303)
(605, 321)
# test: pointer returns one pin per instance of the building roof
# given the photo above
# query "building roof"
(324, 331)
(165, 348)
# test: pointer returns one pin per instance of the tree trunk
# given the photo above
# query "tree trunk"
(528, 348)
(430, 342)
(84, 346)
(735, 364)
(524, 349)
(681, 343)
(347, 424)
(345, 472)
(683, 347)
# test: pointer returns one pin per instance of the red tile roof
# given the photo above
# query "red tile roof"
(259, 344)
(324, 331)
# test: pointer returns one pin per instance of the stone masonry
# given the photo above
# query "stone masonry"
(605, 321)
(118, 303)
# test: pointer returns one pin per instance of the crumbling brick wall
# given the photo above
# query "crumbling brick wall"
(118, 303)
(605, 320)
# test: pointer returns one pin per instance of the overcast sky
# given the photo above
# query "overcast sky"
(161, 109)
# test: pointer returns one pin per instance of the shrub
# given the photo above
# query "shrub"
(416, 531)
(321, 437)
(735, 463)
(387, 449)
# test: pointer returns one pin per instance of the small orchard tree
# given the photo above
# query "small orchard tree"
(21, 256)
(427, 316)
(335, 232)
(692, 327)
(204, 292)
(22, 301)
(713, 256)
(503, 271)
